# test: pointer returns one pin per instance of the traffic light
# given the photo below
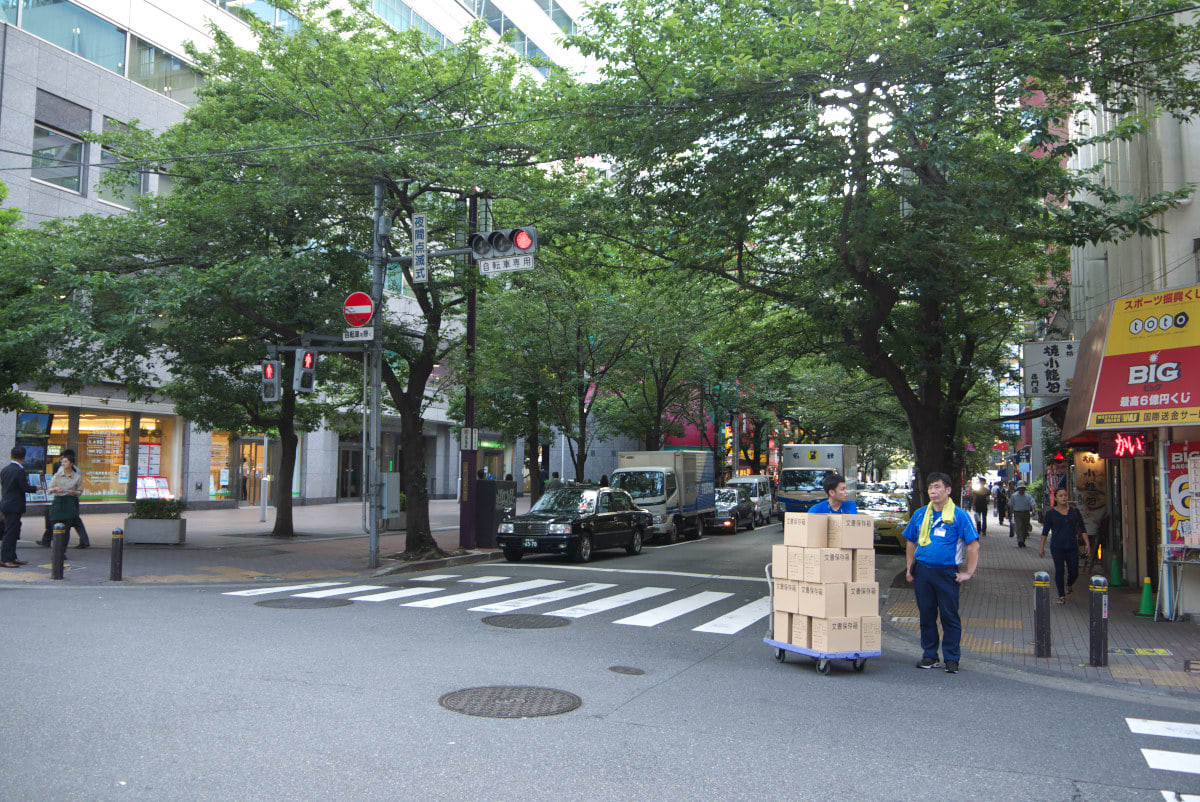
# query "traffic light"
(270, 380)
(503, 242)
(305, 378)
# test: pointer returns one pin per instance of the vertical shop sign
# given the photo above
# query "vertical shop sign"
(1183, 531)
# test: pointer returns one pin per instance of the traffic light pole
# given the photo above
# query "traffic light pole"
(373, 481)
(466, 504)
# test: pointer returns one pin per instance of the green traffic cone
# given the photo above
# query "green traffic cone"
(1147, 608)
(1116, 579)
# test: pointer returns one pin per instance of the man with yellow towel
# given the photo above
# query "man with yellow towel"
(940, 535)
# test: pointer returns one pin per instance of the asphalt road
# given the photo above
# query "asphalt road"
(184, 692)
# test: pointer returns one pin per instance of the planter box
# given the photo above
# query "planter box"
(148, 530)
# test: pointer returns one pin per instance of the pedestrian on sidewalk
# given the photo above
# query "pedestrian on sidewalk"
(940, 535)
(14, 484)
(1063, 524)
(836, 497)
(980, 499)
(1001, 502)
(555, 483)
(65, 488)
(1021, 507)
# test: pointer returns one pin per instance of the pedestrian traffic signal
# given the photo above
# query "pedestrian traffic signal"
(305, 378)
(503, 242)
(270, 380)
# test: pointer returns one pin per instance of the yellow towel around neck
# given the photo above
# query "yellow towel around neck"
(927, 521)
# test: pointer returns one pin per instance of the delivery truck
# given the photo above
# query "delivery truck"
(677, 487)
(802, 470)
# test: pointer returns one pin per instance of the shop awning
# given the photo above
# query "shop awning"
(1030, 414)
(1087, 371)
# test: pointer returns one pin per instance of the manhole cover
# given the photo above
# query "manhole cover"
(510, 701)
(526, 621)
(636, 672)
(303, 604)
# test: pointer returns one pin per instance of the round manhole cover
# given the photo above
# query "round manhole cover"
(526, 621)
(303, 604)
(635, 672)
(510, 701)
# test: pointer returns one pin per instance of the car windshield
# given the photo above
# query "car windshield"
(802, 479)
(567, 499)
(873, 501)
(640, 484)
(727, 495)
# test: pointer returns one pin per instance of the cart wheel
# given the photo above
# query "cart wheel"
(780, 655)
(860, 664)
(823, 666)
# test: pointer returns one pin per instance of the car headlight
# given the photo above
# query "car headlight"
(559, 529)
(660, 519)
(505, 528)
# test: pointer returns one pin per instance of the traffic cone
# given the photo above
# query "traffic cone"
(1116, 579)
(1147, 608)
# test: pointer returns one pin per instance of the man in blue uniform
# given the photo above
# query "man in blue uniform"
(939, 536)
(837, 497)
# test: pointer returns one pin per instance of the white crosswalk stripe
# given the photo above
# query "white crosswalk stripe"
(485, 593)
(1175, 796)
(1165, 759)
(608, 603)
(542, 598)
(323, 594)
(739, 619)
(287, 589)
(403, 593)
(1172, 761)
(484, 580)
(1169, 729)
(434, 578)
(675, 609)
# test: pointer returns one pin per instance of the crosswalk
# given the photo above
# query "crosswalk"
(1169, 759)
(506, 594)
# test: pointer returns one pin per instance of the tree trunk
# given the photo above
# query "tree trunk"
(933, 449)
(288, 441)
(418, 542)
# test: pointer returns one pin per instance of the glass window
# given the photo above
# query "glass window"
(57, 158)
(76, 30)
(425, 27)
(162, 72)
(101, 454)
(394, 12)
(9, 9)
(166, 184)
(219, 481)
(155, 450)
(119, 186)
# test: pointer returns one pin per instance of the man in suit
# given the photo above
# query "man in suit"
(14, 484)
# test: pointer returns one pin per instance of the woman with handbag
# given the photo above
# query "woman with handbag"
(65, 488)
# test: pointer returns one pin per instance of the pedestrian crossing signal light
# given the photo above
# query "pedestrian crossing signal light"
(270, 380)
(503, 242)
(305, 379)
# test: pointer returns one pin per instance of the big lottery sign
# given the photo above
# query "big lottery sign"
(1184, 528)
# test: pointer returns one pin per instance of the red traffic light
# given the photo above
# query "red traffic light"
(522, 240)
(268, 370)
(307, 360)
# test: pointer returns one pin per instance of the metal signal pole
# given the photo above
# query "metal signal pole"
(373, 480)
(466, 504)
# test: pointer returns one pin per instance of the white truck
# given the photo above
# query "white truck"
(802, 470)
(677, 487)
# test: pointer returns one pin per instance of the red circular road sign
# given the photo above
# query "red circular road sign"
(358, 309)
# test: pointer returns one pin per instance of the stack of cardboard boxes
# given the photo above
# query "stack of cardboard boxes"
(826, 596)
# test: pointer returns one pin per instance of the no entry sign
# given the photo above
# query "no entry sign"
(358, 309)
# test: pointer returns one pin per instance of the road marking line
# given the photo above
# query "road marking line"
(496, 590)
(542, 598)
(636, 571)
(396, 594)
(1175, 796)
(1169, 729)
(680, 543)
(432, 578)
(739, 619)
(265, 591)
(321, 594)
(608, 603)
(484, 580)
(675, 609)
(1172, 761)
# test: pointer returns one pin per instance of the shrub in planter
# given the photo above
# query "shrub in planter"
(156, 520)
(157, 509)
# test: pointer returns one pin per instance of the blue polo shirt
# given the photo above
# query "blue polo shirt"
(847, 508)
(947, 544)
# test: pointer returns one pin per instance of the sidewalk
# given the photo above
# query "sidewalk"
(232, 545)
(996, 607)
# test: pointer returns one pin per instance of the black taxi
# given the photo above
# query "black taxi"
(575, 521)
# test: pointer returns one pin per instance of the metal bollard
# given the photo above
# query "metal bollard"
(58, 549)
(1041, 614)
(1098, 628)
(116, 555)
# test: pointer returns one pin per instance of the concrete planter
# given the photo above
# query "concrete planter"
(399, 523)
(151, 530)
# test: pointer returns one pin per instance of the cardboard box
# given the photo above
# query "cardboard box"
(782, 630)
(805, 530)
(862, 598)
(785, 596)
(851, 532)
(820, 600)
(872, 640)
(800, 627)
(828, 565)
(863, 569)
(795, 562)
(779, 562)
(835, 634)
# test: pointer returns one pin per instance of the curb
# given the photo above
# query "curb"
(445, 562)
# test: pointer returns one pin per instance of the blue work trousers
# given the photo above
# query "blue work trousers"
(936, 588)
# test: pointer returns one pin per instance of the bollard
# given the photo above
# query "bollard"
(1098, 628)
(116, 555)
(58, 550)
(1041, 614)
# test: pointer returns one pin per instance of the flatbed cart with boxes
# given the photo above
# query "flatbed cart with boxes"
(857, 658)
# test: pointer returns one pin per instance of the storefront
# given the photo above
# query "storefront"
(1136, 400)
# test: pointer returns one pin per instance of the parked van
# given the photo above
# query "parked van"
(759, 488)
